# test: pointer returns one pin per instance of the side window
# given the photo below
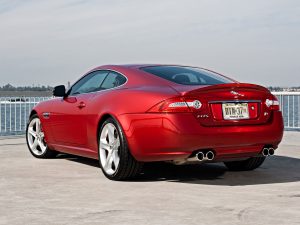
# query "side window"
(113, 80)
(90, 83)
(189, 78)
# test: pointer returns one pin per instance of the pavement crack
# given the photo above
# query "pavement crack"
(242, 213)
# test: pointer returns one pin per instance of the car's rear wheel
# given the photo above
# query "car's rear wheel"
(35, 138)
(115, 159)
(245, 165)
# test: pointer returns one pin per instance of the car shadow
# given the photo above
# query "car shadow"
(79, 159)
(276, 169)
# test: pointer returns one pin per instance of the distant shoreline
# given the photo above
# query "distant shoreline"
(25, 93)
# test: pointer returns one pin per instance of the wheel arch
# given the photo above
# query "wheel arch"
(129, 166)
(33, 112)
(100, 122)
(102, 119)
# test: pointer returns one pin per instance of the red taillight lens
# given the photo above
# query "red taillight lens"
(176, 105)
(273, 103)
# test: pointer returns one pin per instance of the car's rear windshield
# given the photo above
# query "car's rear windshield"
(187, 75)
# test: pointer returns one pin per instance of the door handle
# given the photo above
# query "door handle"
(81, 105)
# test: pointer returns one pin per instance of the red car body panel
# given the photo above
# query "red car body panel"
(152, 136)
(163, 137)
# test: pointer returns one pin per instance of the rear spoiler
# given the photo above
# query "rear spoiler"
(230, 87)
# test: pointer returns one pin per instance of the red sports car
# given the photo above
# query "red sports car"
(127, 115)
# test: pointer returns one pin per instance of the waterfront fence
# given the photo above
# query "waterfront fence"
(290, 107)
(15, 111)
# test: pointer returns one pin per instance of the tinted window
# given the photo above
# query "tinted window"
(90, 83)
(187, 75)
(113, 80)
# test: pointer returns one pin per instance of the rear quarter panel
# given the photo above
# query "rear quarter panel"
(122, 101)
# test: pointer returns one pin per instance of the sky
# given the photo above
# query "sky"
(51, 42)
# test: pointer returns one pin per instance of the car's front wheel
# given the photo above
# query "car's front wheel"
(249, 164)
(115, 159)
(35, 138)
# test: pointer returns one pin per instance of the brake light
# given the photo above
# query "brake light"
(273, 104)
(177, 105)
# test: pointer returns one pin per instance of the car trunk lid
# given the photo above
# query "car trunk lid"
(229, 104)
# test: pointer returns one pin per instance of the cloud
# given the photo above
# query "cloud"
(50, 42)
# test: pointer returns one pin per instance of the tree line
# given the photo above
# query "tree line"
(276, 89)
(9, 87)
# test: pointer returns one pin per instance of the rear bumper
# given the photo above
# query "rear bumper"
(161, 137)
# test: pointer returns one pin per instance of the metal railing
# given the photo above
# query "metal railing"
(290, 107)
(14, 112)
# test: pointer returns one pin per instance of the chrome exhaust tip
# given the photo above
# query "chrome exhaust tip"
(200, 156)
(210, 155)
(271, 151)
(265, 152)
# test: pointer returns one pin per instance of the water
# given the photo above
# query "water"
(14, 115)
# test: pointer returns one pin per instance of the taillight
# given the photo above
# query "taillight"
(177, 105)
(273, 104)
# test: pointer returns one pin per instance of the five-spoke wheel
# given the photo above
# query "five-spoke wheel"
(109, 148)
(115, 159)
(36, 139)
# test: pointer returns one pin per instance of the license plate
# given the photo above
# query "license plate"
(235, 111)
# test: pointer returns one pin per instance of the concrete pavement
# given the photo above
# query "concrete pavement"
(72, 190)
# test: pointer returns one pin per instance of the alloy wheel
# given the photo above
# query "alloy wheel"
(36, 137)
(109, 148)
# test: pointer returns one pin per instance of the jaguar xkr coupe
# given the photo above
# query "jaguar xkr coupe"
(127, 115)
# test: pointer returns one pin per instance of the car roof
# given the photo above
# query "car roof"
(137, 66)
(133, 66)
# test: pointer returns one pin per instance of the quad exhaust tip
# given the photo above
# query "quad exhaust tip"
(200, 156)
(210, 155)
(268, 151)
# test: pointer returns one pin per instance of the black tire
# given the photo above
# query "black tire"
(48, 153)
(128, 167)
(245, 165)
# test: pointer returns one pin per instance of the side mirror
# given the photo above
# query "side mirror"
(59, 91)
